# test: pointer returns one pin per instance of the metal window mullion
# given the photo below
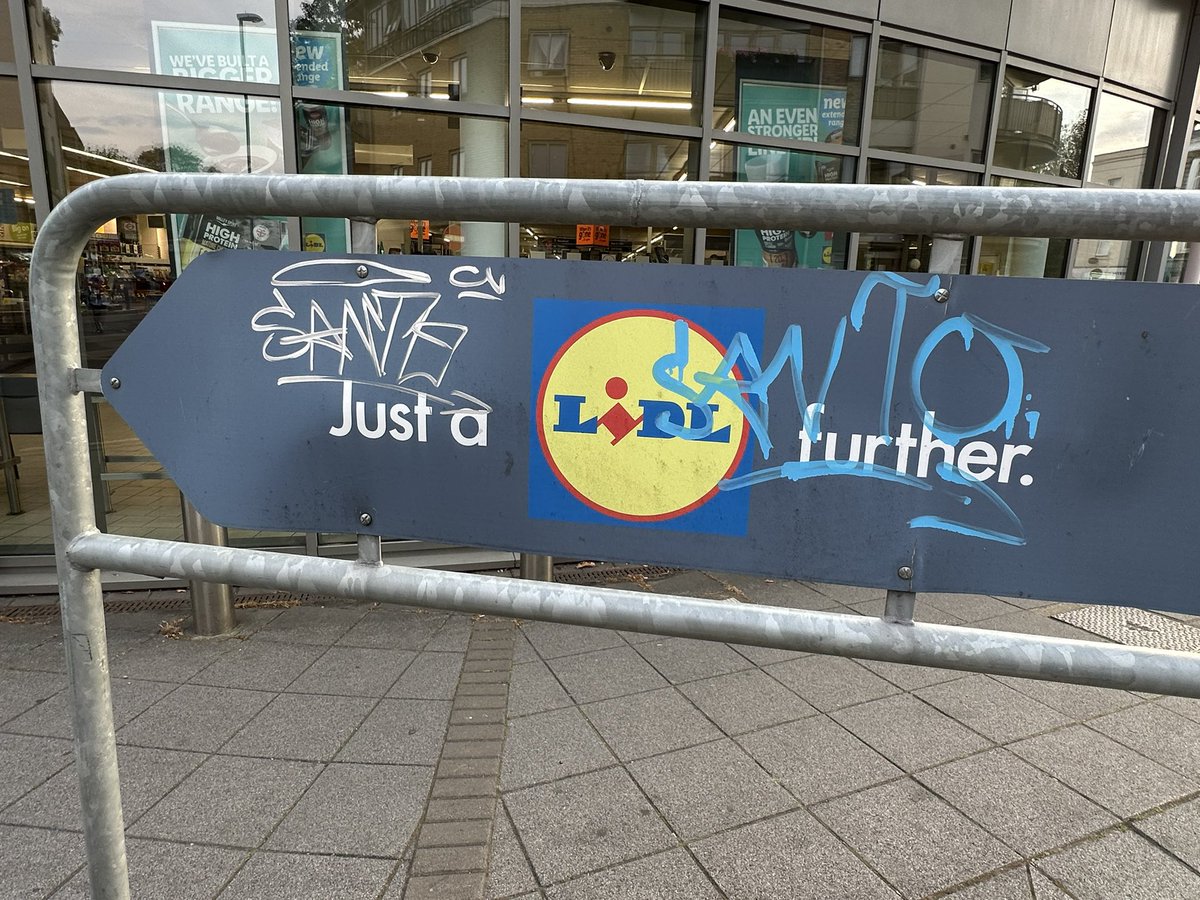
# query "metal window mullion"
(865, 112)
(287, 108)
(631, 126)
(708, 92)
(416, 104)
(173, 83)
(27, 92)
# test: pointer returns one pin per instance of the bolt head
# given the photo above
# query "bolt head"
(905, 572)
(362, 271)
(114, 383)
(364, 519)
(941, 295)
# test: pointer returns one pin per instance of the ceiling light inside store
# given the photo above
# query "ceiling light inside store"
(538, 101)
(730, 125)
(14, 156)
(87, 172)
(400, 94)
(637, 104)
(439, 96)
(108, 159)
(13, 183)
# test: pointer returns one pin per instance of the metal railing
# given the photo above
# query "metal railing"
(81, 550)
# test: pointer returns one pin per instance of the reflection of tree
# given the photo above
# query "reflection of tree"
(328, 16)
(1070, 148)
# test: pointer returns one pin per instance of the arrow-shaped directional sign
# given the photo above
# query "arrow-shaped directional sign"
(983, 435)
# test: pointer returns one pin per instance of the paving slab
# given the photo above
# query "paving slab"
(1177, 830)
(673, 875)
(1156, 732)
(992, 708)
(1110, 774)
(830, 682)
(776, 591)
(549, 746)
(550, 639)
(287, 876)
(29, 761)
(908, 732)
(301, 726)
(880, 824)
(401, 732)
(378, 808)
(1021, 805)
(791, 856)
(430, 676)
(320, 625)
(709, 788)
(816, 758)
(1121, 864)
(22, 691)
(168, 869)
(533, 689)
(680, 660)
(603, 674)
(360, 671)
(585, 823)
(1079, 701)
(509, 872)
(745, 701)
(258, 665)
(194, 717)
(35, 861)
(651, 723)
(390, 627)
(229, 800)
(147, 775)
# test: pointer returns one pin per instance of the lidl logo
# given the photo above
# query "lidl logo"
(609, 431)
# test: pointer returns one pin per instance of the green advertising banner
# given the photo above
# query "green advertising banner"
(320, 129)
(217, 132)
(795, 112)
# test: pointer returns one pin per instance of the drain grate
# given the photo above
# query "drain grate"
(1135, 627)
(42, 611)
(602, 574)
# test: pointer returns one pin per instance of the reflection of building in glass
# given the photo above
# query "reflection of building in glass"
(589, 89)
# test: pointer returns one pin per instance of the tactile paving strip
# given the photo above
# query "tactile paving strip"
(1135, 627)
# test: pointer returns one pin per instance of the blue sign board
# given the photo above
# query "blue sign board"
(1004, 436)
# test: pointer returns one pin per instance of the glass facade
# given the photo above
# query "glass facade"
(483, 88)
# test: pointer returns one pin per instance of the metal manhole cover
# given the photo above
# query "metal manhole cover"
(1135, 627)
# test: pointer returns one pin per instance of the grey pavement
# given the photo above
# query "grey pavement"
(359, 751)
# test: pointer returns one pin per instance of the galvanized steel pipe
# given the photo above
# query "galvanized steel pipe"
(1013, 211)
(865, 637)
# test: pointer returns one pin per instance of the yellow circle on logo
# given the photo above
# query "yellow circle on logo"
(605, 423)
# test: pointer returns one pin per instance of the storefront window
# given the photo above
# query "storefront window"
(907, 252)
(1025, 257)
(450, 51)
(554, 151)
(222, 40)
(789, 80)
(613, 58)
(1043, 124)
(1126, 135)
(773, 247)
(930, 103)
(417, 143)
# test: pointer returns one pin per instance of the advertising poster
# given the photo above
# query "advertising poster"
(320, 129)
(220, 133)
(795, 112)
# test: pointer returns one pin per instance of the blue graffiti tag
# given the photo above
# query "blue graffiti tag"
(745, 382)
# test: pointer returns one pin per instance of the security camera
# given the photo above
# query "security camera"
(608, 59)
(430, 56)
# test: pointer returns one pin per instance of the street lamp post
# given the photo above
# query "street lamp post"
(242, 19)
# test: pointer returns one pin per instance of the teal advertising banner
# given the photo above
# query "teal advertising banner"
(795, 112)
(217, 132)
(320, 129)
